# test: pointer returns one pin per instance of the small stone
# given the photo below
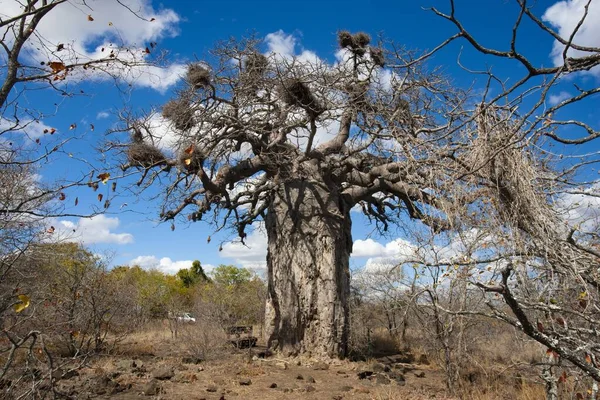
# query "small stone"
(300, 377)
(382, 380)
(398, 377)
(320, 366)
(346, 388)
(245, 382)
(163, 374)
(310, 379)
(281, 365)
(211, 388)
(337, 397)
(273, 386)
(423, 359)
(377, 367)
(310, 388)
(420, 374)
(152, 388)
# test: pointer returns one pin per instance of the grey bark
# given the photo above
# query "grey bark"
(309, 244)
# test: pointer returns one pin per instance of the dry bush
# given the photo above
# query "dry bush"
(205, 340)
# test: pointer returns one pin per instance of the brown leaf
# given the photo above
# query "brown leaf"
(588, 359)
(52, 130)
(104, 177)
(189, 150)
(37, 140)
(76, 200)
(72, 126)
(100, 196)
(152, 19)
(50, 230)
(147, 51)
(56, 66)
(92, 127)
(172, 227)
(540, 327)
(61, 196)
(90, 18)
(114, 186)
(107, 204)
(60, 47)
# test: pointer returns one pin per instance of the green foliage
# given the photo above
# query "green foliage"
(191, 276)
(230, 275)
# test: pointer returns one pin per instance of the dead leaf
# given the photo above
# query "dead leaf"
(50, 230)
(61, 196)
(114, 186)
(100, 196)
(56, 66)
(187, 161)
(189, 150)
(60, 47)
(104, 177)
(92, 127)
(72, 126)
(152, 19)
(90, 18)
(76, 200)
(22, 304)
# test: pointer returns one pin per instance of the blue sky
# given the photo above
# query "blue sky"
(188, 30)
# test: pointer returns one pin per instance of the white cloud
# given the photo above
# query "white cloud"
(254, 254)
(31, 129)
(554, 99)
(102, 115)
(97, 229)
(284, 46)
(165, 264)
(564, 16)
(581, 210)
(83, 39)
(370, 248)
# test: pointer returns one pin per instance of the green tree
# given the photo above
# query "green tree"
(191, 276)
(230, 275)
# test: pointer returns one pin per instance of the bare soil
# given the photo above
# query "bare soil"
(244, 374)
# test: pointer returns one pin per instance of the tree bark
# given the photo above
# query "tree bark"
(309, 244)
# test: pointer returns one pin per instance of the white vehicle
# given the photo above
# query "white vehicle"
(183, 317)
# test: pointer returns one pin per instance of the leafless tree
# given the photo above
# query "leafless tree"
(30, 62)
(534, 161)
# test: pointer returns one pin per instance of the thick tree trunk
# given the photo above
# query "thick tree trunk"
(308, 228)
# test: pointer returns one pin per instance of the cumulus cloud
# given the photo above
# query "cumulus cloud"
(581, 209)
(283, 45)
(94, 230)
(165, 264)
(102, 115)
(253, 255)
(565, 16)
(554, 99)
(27, 127)
(88, 30)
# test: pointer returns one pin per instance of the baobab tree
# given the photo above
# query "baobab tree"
(293, 144)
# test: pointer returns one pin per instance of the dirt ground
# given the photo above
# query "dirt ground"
(244, 374)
